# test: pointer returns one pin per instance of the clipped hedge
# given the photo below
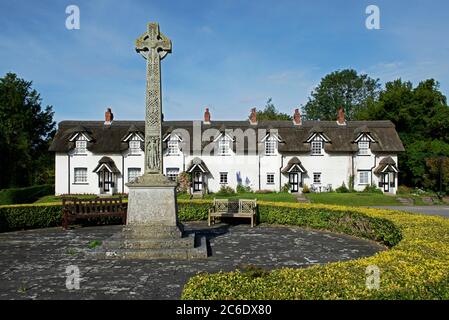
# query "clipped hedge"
(25, 195)
(417, 267)
(45, 215)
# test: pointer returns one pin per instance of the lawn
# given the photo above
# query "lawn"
(353, 199)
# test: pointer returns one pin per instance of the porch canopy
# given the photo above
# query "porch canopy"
(108, 164)
(386, 165)
(294, 165)
(198, 165)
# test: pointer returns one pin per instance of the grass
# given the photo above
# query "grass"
(353, 199)
(275, 196)
(50, 199)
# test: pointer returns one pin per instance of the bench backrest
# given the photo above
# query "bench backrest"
(234, 205)
(97, 205)
(247, 205)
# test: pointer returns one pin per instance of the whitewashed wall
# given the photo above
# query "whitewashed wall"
(335, 169)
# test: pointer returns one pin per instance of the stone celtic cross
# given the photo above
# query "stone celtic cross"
(153, 46)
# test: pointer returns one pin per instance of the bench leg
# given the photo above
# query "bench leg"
(65, 223)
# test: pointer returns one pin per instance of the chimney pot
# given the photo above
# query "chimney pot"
(207, 116)
(297, 118)
(108, 116)
(253, 116)
(341, 117)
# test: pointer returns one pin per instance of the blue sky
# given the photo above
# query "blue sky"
(227, 55)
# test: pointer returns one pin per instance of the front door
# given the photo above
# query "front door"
(386, 182)
(294, 182)
(105, 181)
(197, 181)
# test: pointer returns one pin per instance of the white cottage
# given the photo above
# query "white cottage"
(100, 157)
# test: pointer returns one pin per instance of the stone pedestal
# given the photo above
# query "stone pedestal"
(153, 230)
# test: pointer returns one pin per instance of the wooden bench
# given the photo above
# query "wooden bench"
(74, 208)
(228, 208)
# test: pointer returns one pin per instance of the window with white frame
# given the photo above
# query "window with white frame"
(173, 147)
(364, 177)
(134, 146)
(317, 148)
(317, 177)
(133, 173)
(363, 148)
(270, 178)
(80, 146)
(80, 175)
(223, 178)
(224, 146)
(172, 173)
(270, 146)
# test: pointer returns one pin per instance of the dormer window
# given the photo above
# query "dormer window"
(224, 145)
(363, 148)
(173, 144)
(317, 148)
(134, 139)
(134, 146)
(363, 142)
(173, 147)
(317, 140)
(270, 146)
(81, 147)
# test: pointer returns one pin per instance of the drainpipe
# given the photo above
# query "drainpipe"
(68, 163)
(280, 173)
(123, 173)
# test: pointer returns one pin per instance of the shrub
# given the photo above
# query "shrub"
(243, 189)
(404, 190)
(25, 195)
(372, 189)
(285, 188)
(342, 189)
(305, 189)
(184, 181)
(225, 191)
(415, 268)
(351, 183)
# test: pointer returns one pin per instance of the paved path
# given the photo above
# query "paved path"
(433, 210)
(33, 263)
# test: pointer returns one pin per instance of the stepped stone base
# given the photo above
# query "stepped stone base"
(137, 243)
(153, 230)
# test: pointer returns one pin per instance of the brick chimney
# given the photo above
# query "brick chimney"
(108, 117)
(297, 118)
(207, 116)
(341, 117)
(253, 117)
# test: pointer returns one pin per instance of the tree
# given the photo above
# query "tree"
(25, 134)
(421, 117)
(345, 89)
(271, 113)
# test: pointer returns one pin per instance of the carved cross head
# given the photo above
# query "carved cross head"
(153, 39)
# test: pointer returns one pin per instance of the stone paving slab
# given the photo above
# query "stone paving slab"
(33, 263)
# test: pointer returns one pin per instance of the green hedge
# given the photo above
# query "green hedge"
(25, 195)
(45, 215)
(347, 222)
